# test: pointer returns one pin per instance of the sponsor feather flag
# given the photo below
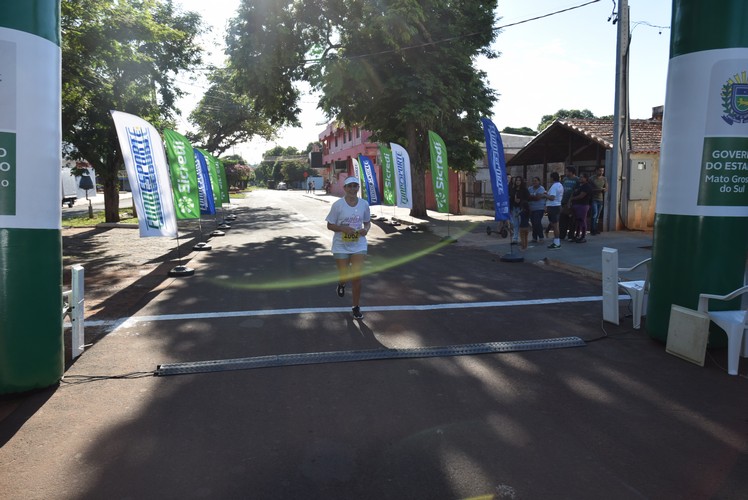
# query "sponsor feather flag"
(369, 177)
(388, 175)
(205, 190)
(403, 186)
(183, 175)
(357, 174)
(439, 172)
(223, 180)
(215, 183)
(148, 173)
(496, 169)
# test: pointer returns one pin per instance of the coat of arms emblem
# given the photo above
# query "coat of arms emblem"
(735, 102)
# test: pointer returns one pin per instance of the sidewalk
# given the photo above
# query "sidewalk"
(470, 230)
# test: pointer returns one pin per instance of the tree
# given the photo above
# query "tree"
(264, 173)
(224, 117)
(562, 114)
(293, 171)
(120, 55)
(397, 69)
(519, 131)
(310, 147)
(238, 175)
(238, 172)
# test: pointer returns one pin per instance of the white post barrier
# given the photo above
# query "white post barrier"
(76, 309)
(610, 285)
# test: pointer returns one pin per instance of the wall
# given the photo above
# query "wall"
(640, 214)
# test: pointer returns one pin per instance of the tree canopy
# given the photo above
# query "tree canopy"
(120, 55)
(225, 117)
(564, 113)
(397, 68)
(519, 131)
(238, 172)
(282, 151)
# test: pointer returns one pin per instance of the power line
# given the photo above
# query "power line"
(650, 25)
(458, 37)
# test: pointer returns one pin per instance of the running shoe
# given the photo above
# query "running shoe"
(357, 313)
(553, 246)
(341, 289)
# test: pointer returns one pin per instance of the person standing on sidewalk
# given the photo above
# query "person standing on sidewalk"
(553, 206)
(580, 202)
(518, 198)
(350, 220)
(566, 223)
(599, 187)
(537, 209)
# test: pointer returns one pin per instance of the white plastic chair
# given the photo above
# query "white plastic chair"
(637, 290)
(734, 323)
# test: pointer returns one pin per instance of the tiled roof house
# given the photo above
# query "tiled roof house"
(584, 144)
(575, 140)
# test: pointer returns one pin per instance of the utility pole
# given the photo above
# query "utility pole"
(618, 169)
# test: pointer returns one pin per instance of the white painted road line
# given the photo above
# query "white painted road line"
(133, 320)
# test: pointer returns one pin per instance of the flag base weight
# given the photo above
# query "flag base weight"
(224, 226)
(181, 271)
(202, 246)
(510, 257)
(230, 217)
(217, 233)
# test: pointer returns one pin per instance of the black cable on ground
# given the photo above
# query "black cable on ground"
(83, 379)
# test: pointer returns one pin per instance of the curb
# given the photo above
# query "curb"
(576, 270)
(117, 224)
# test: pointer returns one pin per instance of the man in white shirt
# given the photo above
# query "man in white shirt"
(553, 207)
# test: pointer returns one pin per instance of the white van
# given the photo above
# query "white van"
(69, 187)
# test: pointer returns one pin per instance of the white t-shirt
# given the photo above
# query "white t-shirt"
(342, 214)
(556, 190)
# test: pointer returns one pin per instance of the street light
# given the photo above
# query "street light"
(87, 183)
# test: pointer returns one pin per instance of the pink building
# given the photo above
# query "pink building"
(339, 146)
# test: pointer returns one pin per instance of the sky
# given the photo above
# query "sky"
(563, 61)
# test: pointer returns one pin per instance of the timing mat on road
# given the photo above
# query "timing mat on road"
(311, 358)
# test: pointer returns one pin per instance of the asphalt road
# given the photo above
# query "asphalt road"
(618, 417)
(80, 207)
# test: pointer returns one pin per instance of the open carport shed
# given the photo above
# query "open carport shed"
(568, 142)
(584, 144)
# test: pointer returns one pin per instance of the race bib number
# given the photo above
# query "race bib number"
(350, 238)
